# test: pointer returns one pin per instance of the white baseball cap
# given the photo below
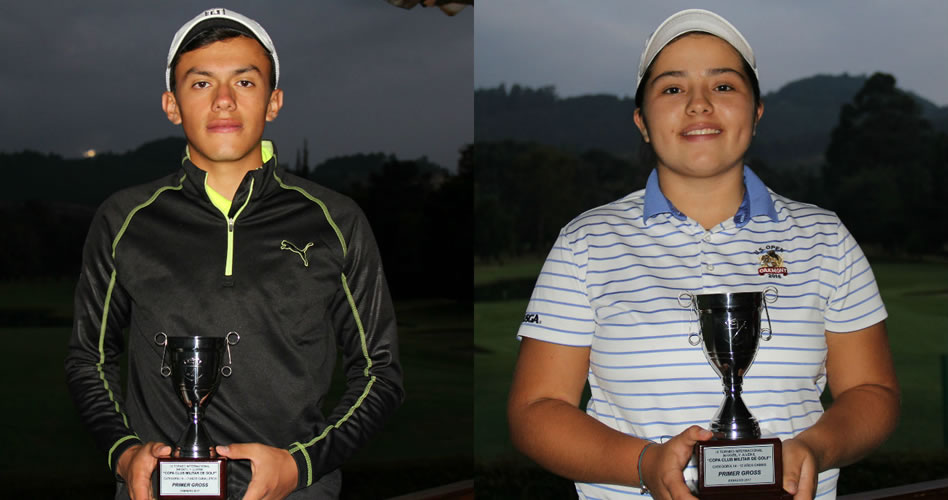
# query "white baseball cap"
(226, 18)
(688, 21)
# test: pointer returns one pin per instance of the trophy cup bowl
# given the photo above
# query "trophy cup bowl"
(730, 336)
(196, 365)
(195, 372)
(736, 462)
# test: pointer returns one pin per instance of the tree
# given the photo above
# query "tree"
(882, 169)
(524, 193)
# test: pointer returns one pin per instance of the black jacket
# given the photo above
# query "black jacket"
(161, 258)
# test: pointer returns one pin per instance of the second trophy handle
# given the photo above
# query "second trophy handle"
(770, 296)
(165, 370)
(231, 338)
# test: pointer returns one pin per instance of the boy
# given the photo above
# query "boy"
(231, 242)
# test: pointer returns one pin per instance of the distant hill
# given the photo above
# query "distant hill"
(47, 203)
(799, 118)
(344, 173)
(795, 129)
(32, 176)
(574, 124)
(87, 181)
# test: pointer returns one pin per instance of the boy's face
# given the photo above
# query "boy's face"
(223, 100)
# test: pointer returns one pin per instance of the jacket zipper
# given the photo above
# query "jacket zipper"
(229, 265)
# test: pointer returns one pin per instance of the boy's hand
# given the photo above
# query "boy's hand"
(136, 466)
(274, 471)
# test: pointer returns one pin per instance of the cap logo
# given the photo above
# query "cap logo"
(215, 12)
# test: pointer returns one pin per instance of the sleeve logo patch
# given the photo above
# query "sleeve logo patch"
(531, 318)
(771, 262)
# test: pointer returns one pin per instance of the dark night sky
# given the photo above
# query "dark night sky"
(594, 47)
(358, 76)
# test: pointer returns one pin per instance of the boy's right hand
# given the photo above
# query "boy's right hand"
(136, 466)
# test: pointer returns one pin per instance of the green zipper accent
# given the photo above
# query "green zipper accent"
(229, 266)
(103, 322)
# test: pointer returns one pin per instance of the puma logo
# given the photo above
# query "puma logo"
(287, 245)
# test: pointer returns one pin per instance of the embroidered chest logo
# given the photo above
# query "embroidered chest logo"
(288, 245)
(771, 262)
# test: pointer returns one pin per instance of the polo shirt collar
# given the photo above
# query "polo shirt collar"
(757, 196)
(656, 202)
(757, 200)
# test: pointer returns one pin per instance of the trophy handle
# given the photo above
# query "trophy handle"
(772, 290)
(165, 370)
(694, 338)
(226, 370)
(687, 300)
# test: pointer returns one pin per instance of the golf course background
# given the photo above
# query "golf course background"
(49, 454)
(915, 295)
(858, 145)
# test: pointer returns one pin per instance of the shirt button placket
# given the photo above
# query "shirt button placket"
(705, 240)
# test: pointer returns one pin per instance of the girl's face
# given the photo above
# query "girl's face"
(699, 107)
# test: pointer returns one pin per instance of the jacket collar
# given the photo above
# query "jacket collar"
(254, 185)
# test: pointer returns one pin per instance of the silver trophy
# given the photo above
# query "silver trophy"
(736, 462)
(196, 365)
(730, 331)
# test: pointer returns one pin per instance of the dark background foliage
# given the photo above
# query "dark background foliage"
(419, 211)
(857, 145)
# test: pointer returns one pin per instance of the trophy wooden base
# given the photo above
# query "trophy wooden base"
(748, 469)
(192, 478)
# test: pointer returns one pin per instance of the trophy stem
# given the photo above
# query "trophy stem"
(195, 442)
(733, 419)
(733, 384)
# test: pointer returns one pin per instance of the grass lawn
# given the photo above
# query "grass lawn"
(495, 352)
(520, 268)
(916, 297)
(47, 449)
(428, 443)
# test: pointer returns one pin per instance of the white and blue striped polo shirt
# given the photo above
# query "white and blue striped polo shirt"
(613, 280)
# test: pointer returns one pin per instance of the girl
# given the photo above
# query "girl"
(605, 307)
